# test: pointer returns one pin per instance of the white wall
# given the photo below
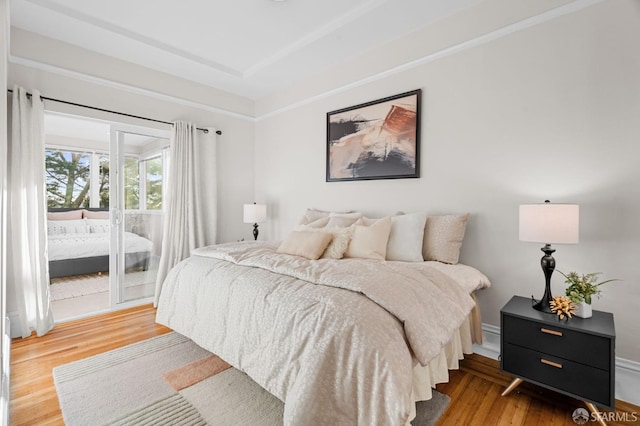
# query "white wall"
(547, 109)
(62, 71)
(522, 101)
(66, 72)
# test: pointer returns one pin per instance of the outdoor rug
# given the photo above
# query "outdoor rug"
(83, 285)
(169, 380)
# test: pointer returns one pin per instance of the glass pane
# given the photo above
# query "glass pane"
(103, 162)
(142, 241)
(68, 178)
(131, 183)
(154, 183)
(143, 219)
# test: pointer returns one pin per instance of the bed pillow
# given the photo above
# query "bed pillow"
(88, 214)
(366, 221)
(443, 237)
(320, 223)
(62, 227)
(98, 226)
(56, 227)
(70, 215)
(406, 237)
(309, 244)
(342, 220)
(312, 215)
(76, 227)
(370, 242)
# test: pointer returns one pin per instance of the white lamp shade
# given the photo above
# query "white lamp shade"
(255, 213)
(550, 223)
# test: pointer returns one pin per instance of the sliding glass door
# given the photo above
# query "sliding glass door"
(105, 186)
(138, 162)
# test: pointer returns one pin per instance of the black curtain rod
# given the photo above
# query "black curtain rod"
(218, 132)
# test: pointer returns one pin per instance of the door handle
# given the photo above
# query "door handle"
(117, 217)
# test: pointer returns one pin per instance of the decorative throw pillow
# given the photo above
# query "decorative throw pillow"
(339, 243)
(70, 215)
(443, 237)
(406, 237)
(370, 242)
(88, 214)
(307, 244)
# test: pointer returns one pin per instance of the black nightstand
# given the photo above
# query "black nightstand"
(575, 357)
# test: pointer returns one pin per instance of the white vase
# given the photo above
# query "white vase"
(583, 310)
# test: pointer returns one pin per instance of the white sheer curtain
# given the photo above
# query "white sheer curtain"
(190, 214)
(27, 267)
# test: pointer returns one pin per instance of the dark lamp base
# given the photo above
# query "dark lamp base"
(548, 264)
(543, 306)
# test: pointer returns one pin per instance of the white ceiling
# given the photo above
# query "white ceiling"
(249, 47)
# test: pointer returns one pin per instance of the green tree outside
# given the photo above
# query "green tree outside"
(68, 180)
(131, 183)
(154, 183)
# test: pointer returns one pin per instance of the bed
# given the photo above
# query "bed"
(79, 239)
(340, 341)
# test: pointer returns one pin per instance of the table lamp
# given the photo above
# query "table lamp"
(255, 213)
(549, 224)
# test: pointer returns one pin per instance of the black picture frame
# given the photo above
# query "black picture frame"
(375, 140)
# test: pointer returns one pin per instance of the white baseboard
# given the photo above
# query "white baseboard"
(14, 318)
(627, 371)
(490, 346)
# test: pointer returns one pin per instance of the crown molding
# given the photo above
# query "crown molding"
(124, 87)
(541, 18)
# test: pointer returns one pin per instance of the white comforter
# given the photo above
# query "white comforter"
(336, 340)
(76, 246)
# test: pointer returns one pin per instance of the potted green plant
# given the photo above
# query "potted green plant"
(581, 290)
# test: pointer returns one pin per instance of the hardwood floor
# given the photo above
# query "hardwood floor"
(33, 394)
(475, 392)
(474, 389)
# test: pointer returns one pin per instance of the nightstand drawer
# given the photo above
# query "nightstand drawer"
(588, 382)
(583, 348)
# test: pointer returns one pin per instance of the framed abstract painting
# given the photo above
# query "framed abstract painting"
(375, 140)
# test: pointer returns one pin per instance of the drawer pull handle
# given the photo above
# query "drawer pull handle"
(551, 363)
(555, 333)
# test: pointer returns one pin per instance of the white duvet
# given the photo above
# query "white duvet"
(336, 340)
(76, 246)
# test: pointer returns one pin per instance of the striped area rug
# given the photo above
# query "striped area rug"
(169, 380)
